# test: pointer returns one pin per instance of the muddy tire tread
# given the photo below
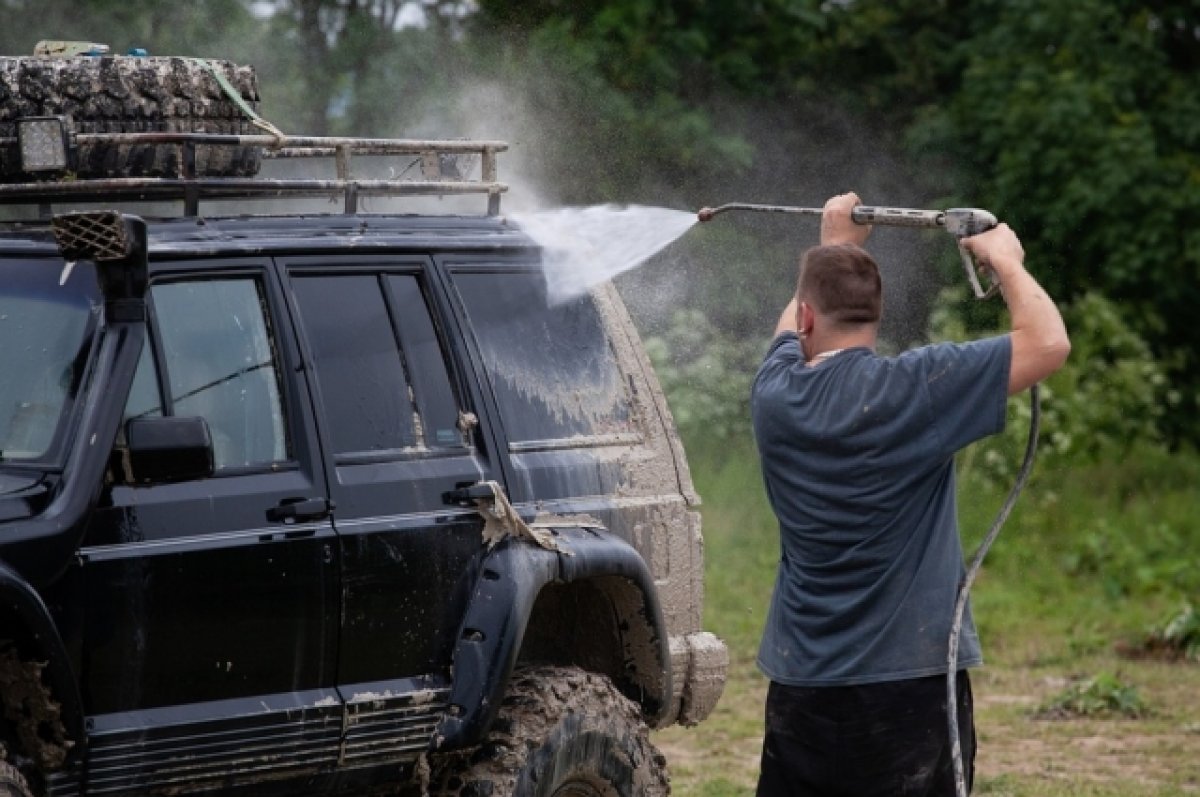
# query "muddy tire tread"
(119, 94)
(12, 783)
(537, 701)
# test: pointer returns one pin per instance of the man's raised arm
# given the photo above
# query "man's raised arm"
(1039, 338)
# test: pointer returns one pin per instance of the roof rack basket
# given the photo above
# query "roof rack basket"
(445, 167)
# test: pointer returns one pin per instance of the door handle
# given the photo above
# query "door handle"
(469, 494)
(300, 510)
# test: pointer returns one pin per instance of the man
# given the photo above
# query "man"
(858, 460)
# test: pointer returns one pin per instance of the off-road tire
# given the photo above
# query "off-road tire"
(12, 784)
(560, 732)
(120, 94)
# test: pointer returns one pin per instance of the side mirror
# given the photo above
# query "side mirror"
(169, 449)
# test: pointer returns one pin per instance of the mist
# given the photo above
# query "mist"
(739, 269)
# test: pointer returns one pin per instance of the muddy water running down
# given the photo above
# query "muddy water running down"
(583, 247)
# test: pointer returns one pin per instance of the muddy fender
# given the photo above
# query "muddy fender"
(22, 604)
(508, 583)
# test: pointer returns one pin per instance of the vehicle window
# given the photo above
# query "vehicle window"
(423, 355)
(145, 400)
(552, 368)
(364, 392)
(220, 365)
(45, 337)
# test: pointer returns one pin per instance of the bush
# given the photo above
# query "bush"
(1131, 559)
(1176, 638)
(706, 375)
(1104, 695)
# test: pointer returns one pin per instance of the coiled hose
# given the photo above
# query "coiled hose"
(964, 590)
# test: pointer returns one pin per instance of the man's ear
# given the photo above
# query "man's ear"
(805, 318)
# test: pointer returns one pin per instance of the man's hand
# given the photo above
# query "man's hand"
(998, 249)
(836, 225)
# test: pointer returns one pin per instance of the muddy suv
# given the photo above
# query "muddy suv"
(316, 501)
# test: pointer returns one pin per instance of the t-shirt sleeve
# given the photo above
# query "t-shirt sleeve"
(785, 348)
(967, 385)
(783, 352)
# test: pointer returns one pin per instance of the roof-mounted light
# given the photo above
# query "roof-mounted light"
(45, 144)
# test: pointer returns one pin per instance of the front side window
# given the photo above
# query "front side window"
(45, 336)
(215, 344)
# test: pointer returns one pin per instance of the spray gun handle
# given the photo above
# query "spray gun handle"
(963, 223)
(896, 217)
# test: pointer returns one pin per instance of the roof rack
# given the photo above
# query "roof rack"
(444, 165)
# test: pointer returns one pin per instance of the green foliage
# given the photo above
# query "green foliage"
(706, 376)
(1104, 695)
(596, 141)
(212, 28)
(687, 49)
(1132, 560)
(1178, 636)
(1078, 123)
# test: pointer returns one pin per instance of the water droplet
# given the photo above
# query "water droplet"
(68, 267)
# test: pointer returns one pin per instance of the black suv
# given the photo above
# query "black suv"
(323, 502)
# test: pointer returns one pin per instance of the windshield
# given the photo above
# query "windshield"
(45, 337)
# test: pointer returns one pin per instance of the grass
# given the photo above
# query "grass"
(1091, 559)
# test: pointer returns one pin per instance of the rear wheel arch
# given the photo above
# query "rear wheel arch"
(526, 596)
(603, 624)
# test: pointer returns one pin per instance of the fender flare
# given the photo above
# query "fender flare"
(509, 580)
(22, 600)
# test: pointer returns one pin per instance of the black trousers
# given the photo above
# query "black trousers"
(859, 741)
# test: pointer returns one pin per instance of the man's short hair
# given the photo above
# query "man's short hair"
(842, 283)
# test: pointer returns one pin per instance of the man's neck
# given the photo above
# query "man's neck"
(817, 344)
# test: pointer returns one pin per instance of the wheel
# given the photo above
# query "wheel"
(12, 783)
(560, 732)
(120, 94)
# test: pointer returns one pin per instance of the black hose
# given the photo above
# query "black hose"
(960, 604)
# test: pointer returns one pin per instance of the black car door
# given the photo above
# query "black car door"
(399, 430)
(213, 605)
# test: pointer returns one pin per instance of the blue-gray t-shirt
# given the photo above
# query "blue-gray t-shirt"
(858, 460)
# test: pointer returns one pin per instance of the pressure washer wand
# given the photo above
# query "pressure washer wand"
(959, 222)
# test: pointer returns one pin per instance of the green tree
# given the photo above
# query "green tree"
(1078, 122)
(1090, 119)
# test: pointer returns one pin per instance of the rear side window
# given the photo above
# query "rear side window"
(552, 367)
(379, 364)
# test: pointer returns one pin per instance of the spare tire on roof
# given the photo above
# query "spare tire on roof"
(125, 94)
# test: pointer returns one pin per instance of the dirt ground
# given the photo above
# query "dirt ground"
(1019, 754)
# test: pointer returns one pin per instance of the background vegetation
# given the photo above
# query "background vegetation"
(1076, 121)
